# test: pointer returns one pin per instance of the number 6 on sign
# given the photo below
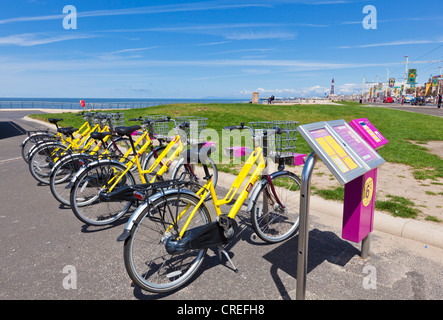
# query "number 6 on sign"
(368, 191)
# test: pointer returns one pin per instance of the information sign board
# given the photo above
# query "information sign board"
(367, 130)
(344, 152)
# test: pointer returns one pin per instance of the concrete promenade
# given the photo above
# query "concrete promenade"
(40, 238)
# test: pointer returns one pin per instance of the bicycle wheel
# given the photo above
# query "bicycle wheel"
(43, 159)
(275, 212)
(62, 173)
(33, 140)
(147, 262)
(84, 197)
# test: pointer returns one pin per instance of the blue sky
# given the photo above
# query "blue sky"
(206, 49)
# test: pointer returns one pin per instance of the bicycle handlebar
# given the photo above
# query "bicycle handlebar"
(241, 126)
(276, 130)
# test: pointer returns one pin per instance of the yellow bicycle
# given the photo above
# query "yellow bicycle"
(166, 238)
(35, 138)
(45, 155)
(107, 146)
(98, 197)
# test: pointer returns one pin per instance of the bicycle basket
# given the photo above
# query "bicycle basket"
(278, 145)
(116, 120)
(159, 130)
(90, 118)
(196, 126)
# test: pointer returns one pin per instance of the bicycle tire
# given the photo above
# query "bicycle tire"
(42, 160)
(84, 195)
(64, 170)
(59, 188)
(33, 140)
(146, 238)
(270, 221)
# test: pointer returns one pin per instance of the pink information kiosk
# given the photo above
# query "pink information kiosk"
(359, 202)
(349, 152)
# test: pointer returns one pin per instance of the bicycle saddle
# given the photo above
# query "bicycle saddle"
(67, 130)
(54, 121)
(126, 131)
(198, 155)
(99, 135)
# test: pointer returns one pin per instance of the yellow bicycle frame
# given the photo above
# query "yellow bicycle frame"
(135, 159)
(74, 144)
(256, 156)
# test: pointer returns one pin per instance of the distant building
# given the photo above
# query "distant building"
(332, 93)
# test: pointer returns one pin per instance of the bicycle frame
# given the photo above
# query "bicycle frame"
(136, 160)
(74, 144)
(256, 156)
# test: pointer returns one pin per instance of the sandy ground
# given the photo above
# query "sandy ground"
(397, 180)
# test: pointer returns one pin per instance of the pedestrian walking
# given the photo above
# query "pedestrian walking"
(439, 100)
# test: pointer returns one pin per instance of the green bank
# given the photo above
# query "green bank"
(399, 127)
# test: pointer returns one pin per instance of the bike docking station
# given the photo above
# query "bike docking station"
(349, 152)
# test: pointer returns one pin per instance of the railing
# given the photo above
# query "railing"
(76, 105)
(95, 105)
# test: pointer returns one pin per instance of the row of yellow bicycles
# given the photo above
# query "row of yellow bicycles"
(166, 182)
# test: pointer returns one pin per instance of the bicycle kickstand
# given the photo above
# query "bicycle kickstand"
(220, 251)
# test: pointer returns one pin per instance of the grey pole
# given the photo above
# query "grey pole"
(365, 246)
(302, 257)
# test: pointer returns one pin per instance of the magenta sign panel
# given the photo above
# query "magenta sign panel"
(367, 131)
(359, 202)
(358, 207)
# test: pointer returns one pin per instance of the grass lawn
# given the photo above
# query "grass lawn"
(399, 127)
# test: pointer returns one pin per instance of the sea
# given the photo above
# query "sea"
(99, 103)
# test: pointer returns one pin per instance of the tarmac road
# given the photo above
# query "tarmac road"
(429, 109)
(43, 245)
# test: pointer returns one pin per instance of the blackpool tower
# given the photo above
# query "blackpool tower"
(332, 88)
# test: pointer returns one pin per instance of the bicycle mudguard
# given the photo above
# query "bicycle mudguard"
(37, 133)
(67, 157)
(260, 186)
(37, 147)
(141, 209)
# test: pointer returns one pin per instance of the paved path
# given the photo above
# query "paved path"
(40, 239)
(427, 109)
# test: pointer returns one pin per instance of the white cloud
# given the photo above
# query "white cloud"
(393, 43)
(289, 92)
(198, 6)
(132, 50)
(34, 39)
(260, 35)
(348, 88)
(240, 51)
(313, 91)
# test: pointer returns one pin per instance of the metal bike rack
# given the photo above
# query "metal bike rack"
(303, 235)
